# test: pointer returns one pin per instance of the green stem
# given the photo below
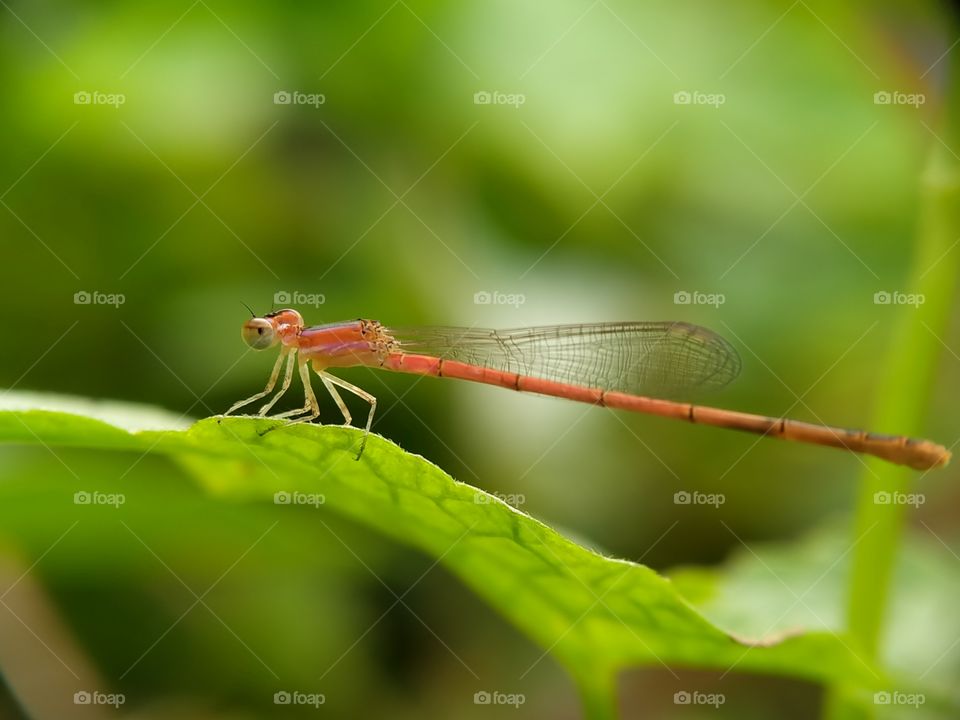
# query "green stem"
(908, 374)
(598, 690)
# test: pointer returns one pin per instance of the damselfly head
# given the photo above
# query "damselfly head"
(261, 333)
(286, 320)
(258, 333)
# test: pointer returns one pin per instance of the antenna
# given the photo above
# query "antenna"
(252, 313)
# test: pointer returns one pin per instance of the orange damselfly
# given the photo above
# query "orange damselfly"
(619, 365)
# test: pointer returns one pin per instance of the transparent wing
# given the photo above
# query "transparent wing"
(640, 358)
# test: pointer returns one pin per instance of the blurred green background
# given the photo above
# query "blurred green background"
(386, 188)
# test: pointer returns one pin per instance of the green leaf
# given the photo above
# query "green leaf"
(595, 614)
(775, 588)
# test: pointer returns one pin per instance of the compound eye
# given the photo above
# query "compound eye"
(258, 333)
